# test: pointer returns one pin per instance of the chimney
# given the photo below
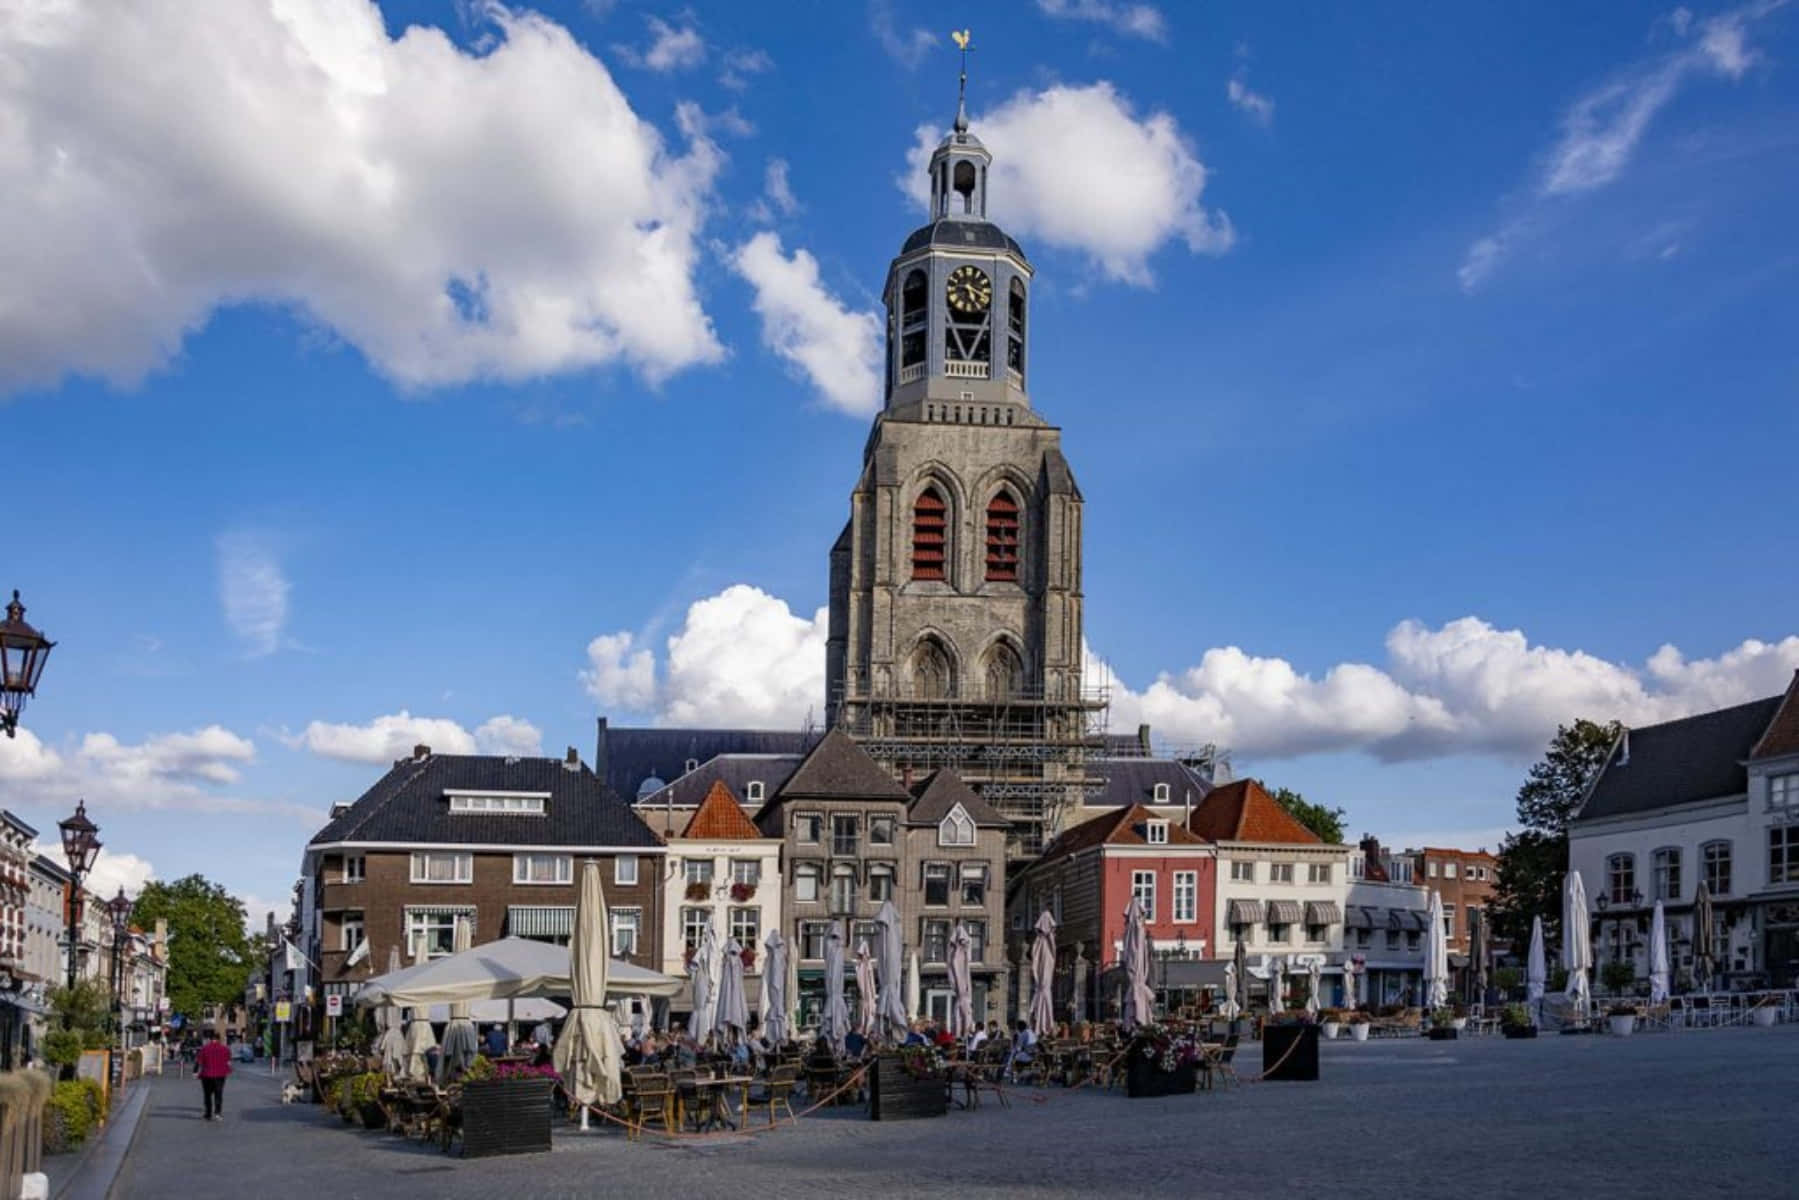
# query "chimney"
(600, 764)
(572, 760)
(1143, 740)
(1624, 747)
(421, 752)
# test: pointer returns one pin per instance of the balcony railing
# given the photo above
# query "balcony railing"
(911, 374)
(964, 369)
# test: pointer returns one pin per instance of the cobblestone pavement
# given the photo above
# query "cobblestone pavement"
(1688, 1114)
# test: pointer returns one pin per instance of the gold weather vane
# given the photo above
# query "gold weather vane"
(962, 38)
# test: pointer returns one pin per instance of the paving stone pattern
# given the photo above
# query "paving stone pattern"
(1691, 1114)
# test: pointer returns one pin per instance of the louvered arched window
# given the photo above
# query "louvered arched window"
(930, 535)
(1002, 537)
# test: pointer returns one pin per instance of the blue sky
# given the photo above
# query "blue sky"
(456, 374)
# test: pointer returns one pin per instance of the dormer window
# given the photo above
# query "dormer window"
(956, 829)
(753, 790)
(1161, 793)
(692, 764)
(1156, 832)
(516, 804)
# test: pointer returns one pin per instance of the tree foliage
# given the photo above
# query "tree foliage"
(1534, 860)
(1327, 823)
(209, 952)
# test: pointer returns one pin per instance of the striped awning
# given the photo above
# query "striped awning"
(1359, 918)
(1416, 920)
(441, 910)
(534, 922)
(1284, 912)
(1322, 912)
(1395, 919)
(1246, 912)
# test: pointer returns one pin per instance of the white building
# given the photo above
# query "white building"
(1714, 797)
(1383, 933)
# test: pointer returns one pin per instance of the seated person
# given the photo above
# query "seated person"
(854, 1044)
(494, 1044)
(1024, 1049)
(915, 1035)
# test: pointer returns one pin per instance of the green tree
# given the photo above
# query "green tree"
(209, 952)
(1533, 861)
(1327, 823)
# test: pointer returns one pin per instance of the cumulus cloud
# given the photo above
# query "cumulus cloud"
(1078, 169)
(197, 770)
(670, 49)
(453, 215)
(390, 737)
(1131, 20)
(741, 657)
(835, 348)
(905, 47)
(1603, 128)
(253, 592)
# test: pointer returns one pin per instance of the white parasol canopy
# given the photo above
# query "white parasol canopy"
(1315, 982)
(1577, 944)
(1436, 957)
(1658, 957)
(1043, 976)
(1536, 969)
(775, 1024)
(497, 970)
(460, 1044)
(420, 1041)
(733, 1015)
(391, 1046)
(589, 1051)
(1139, 1001)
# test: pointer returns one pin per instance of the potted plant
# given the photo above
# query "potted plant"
(1359, 1025)
(1331, 1021)
(742, 892)
(749, 958)
(1458, 1019)
(697, 891)
(1161, 1062)
(1442, 1026)
(506, 1108)
(1765, 1013)
(907, 1082)
(1515, 1022)
(1622, 1018)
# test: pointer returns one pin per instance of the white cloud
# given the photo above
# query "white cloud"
(1603, 128)
(1076, 168)
(670, 49)
(835, 348)
(777, 189)
(741, 657)
(452, 215)
(509, 735)
(196, 770)
(739, 65)
(384, 739)
(1133, 20)
(1258, 107)
(110, 871)
(24, 757)
(253, 592)
(906, 48)
(210, 755)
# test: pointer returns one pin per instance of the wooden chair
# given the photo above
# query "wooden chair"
(775, 1091)
(689, 1104)
(1219, 1065)
(651, 1098)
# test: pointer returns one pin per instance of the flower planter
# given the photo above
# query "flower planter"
(373, 1117)
(1359, 1031)
(697, 892)
(1458, 1023)
(895, 1094)
(1331, 1029)
(1765, 1016)
(1441, 1033)
(1143, 1078)
(1518, 1031)
(1622, 1026)
(506, 1116)
(1290, 1053)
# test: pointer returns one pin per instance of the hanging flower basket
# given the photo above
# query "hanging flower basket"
(699, 891)
(741, 892)
(749, 958)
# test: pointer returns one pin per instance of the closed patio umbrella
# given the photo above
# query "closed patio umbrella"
(391, 1047)
(1536, 970)
(1577, 944)
(1314, 981)
(834, 1020)
(1077, 1003)
(733, 1016)
(961, 987)
(1702, 937)
(1277, 984)
(912, 985)
(589, 1051)
(461, 1042)
(1139, 1001)
(775, 1024)
(420, 1040)
(1043, 976)
(705, 983)
(867, 1010)
(1229, 1006)
(1436, 957)
(1240, 992)
(892, 965)
(1658, 957)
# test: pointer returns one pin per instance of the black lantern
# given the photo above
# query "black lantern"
(1180, 945)
(22, 654)
(119, 907)
(80, 840)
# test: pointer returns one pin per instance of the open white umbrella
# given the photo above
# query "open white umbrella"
(1658, 957)
(589, 1051)
(1139, 1001)
(705, 982)
(508, 968)
(1436, 957)
(391, 1047)
(733, 1016)
(867, 1010)
(1314, 981)
(961, 987)
(1043, 976)
(1577, 944)
(775, 1025)
(893, 1002)
(1536, 970)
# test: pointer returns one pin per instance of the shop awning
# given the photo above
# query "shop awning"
(1359, 918)
(1246, 912)
(1322, 912)
(1416, 920)
(540, 922)
(1395, 920)
(1284, 912)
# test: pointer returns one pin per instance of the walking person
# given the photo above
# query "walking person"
(212, 1063)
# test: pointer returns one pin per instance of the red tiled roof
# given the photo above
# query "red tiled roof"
(1243, 812)
(1782, 735)
(720, 816)
(1120, 827)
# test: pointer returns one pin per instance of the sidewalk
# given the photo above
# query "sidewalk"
(88, 1173)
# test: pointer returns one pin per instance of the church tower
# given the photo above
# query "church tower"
(955, 629)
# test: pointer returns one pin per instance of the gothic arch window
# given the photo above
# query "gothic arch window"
(933, 675)
(913, 310)
(1004, 671)
(930, 535)
(1015, 326)
(1002, 537)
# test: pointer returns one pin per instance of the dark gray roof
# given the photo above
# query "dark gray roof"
(960, 235)
(625, 757)
(941, 791)
(839, 769)
(18, 822)
(735, 771)
(1678, 762)
(1132, 780)
(51, 867)
(408, 805)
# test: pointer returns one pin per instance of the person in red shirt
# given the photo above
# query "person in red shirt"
(212, 1064)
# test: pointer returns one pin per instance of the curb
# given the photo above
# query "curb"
(98, 1170)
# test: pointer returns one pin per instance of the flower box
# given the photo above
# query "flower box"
(741, 892)
(1359, 1030)
(1290, 1053)
(1764, 1016)
(1144, 1078)
(699, 891)
(1623, 1026)
(896, 1094)
(506, 1116)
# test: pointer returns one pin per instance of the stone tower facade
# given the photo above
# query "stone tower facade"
(955, 634)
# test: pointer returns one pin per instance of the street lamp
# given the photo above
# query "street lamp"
(80, 845)
(22, 654)
(119, 909)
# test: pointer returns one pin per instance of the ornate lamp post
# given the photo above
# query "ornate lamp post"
(119, 909)
(80, 845)
(22, 654)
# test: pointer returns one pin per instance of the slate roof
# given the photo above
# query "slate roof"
(960, 235)
(408, 805)
(1678, 762)
(941, 791)
(1132, 780)
(1241, 811)
(1122, 826)
(839, 769)
(626, 756)
(719, 816)
(735, 771)
(1782, 735)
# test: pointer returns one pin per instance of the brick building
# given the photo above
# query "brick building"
(1465, 881)
(495, 839)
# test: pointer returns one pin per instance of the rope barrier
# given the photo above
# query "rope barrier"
(636, 1129)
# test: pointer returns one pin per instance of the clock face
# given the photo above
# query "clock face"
(969, 291)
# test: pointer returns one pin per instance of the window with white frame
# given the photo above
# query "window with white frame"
(516, 806)
(752, 791)
(1160, 794)
(974, 884)
(627, 923)
(693, 927)
(352, 932)
(1665, 865)
(1280, 872)
(1243, 871)
(977, 941)
(1143, 891)
(691, 765)
(805, 881)
(747, 871)
(1620, 877)
(1783, 854)
(956, 829)
(543, 868)
(936, 941)
(1186, 896)
(431, 932)
(1316, 933)
(442, 866)
(880, 882)
(1783, 791)
(1318, 873)
(1449, 870)
(624, 870)
(1278, 933)
(843, 889)
(1430, 868)
(1716, 858)
(356, 868)
(1449, 920)
(697, 870)
(746, 926)
(808, 828)
(1156, 833)
(812, 938)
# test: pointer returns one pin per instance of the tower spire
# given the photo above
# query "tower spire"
(961, 38)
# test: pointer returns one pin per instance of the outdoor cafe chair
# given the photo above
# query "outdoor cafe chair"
(651, 1097)
(1219, 1063)
(689, 1104)
(775, 1091)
